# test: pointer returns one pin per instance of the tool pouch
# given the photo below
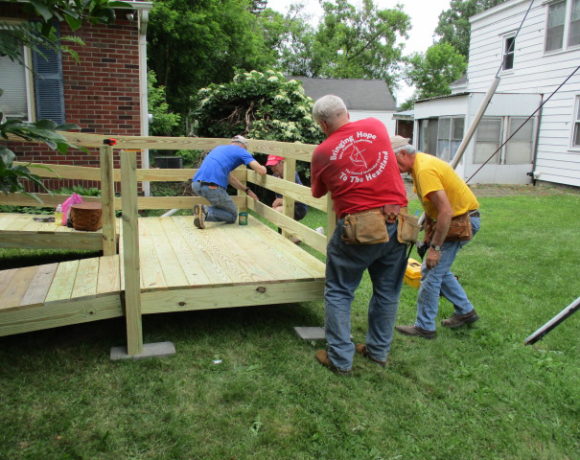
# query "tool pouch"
(460, 228)
(366, 227)
(407, 228)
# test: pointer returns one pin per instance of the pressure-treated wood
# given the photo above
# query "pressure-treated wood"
(131, 254)
(108, 201)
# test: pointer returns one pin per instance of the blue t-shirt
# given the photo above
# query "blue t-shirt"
(220, 162)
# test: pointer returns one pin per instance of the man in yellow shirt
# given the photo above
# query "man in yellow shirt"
(443, 195)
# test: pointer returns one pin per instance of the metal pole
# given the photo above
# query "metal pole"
(541, 332)
(475, 124)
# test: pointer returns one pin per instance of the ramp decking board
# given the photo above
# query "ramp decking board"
(181, 267)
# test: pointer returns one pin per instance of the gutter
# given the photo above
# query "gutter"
(532, 173)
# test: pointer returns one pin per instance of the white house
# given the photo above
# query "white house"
(363, 98)
(531, 67)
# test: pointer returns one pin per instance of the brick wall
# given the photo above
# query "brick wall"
(101, 92)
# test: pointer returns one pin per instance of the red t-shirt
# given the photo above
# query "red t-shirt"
(356, 164)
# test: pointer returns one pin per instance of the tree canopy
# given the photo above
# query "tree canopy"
(196, 42)
(454, 27)
(432, 72)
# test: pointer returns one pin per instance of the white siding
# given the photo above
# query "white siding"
(386, 117)
(534, 72)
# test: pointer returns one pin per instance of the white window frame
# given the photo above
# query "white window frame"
(500, 158)
(567, 26)
(504, 52)
(29, 83)
(575, 125)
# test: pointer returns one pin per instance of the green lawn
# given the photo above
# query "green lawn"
(477, 393)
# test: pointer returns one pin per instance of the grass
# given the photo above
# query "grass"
(476, 393)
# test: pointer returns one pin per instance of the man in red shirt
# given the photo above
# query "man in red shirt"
(357, 166)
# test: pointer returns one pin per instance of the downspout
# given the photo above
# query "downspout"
(537, 141)
(143, 90)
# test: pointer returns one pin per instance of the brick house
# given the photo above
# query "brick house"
(104, 92)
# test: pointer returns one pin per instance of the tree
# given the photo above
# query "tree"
(164, 122)
(352, 43)
(291, 37)
(36, 34)
(260, 105)
(196, 42)
(432, 72)
(454, 27)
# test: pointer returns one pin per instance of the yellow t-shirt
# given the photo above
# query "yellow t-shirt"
(431, 174)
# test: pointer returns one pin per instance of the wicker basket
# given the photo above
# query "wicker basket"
(87, 216)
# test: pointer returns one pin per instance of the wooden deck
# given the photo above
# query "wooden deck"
(26, 232)
(181, 268)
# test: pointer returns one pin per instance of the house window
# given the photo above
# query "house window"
(576, 135)
(16, 84)
(488, 140)
(494, 131)
(518, 150)
(441, 136)
(508, 53)
(449, 136)
(574, 34)
(563, 26)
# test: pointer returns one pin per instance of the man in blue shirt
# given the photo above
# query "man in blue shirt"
(212, 179)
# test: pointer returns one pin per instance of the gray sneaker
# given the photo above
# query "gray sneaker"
(199, 216)
(457, 320)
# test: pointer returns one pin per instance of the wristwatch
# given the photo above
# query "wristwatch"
(435, 247)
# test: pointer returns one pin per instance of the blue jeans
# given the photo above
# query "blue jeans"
(222, 207)
(345, 265)
(440, 280)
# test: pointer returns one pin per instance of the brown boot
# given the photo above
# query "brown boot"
(361, 349)
(322, 357)
(416, 331)
(456, 320)
(198, 216)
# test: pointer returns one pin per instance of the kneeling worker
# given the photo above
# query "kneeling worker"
(214, 175)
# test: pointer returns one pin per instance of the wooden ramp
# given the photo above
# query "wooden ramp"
(26, 231)
(181, 268)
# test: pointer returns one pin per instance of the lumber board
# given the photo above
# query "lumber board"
(17, 287)
(216, 296)
(286, 188)
(48, 240)
(203, 254)
(5, 279)
(131, 261)
(109, 278)
(39, 285)
(108, 201)
(287, 253)
(152, 276)
(85, 283)
(63, 282)
(195, 273)
(252, 257)
(168, 262)
(60, 313)
(309, 236)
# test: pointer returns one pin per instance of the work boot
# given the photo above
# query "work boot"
(322, 357)
(199, 216)
(457, 320)
(416, 331)
(361, 349)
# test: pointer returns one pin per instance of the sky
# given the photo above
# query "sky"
(424, 17)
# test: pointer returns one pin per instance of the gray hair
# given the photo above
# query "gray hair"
(408, 148)
(327, 108)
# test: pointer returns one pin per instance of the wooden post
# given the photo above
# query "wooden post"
(288, 174)
(131, 252)
(330, 218)
(108, 201)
